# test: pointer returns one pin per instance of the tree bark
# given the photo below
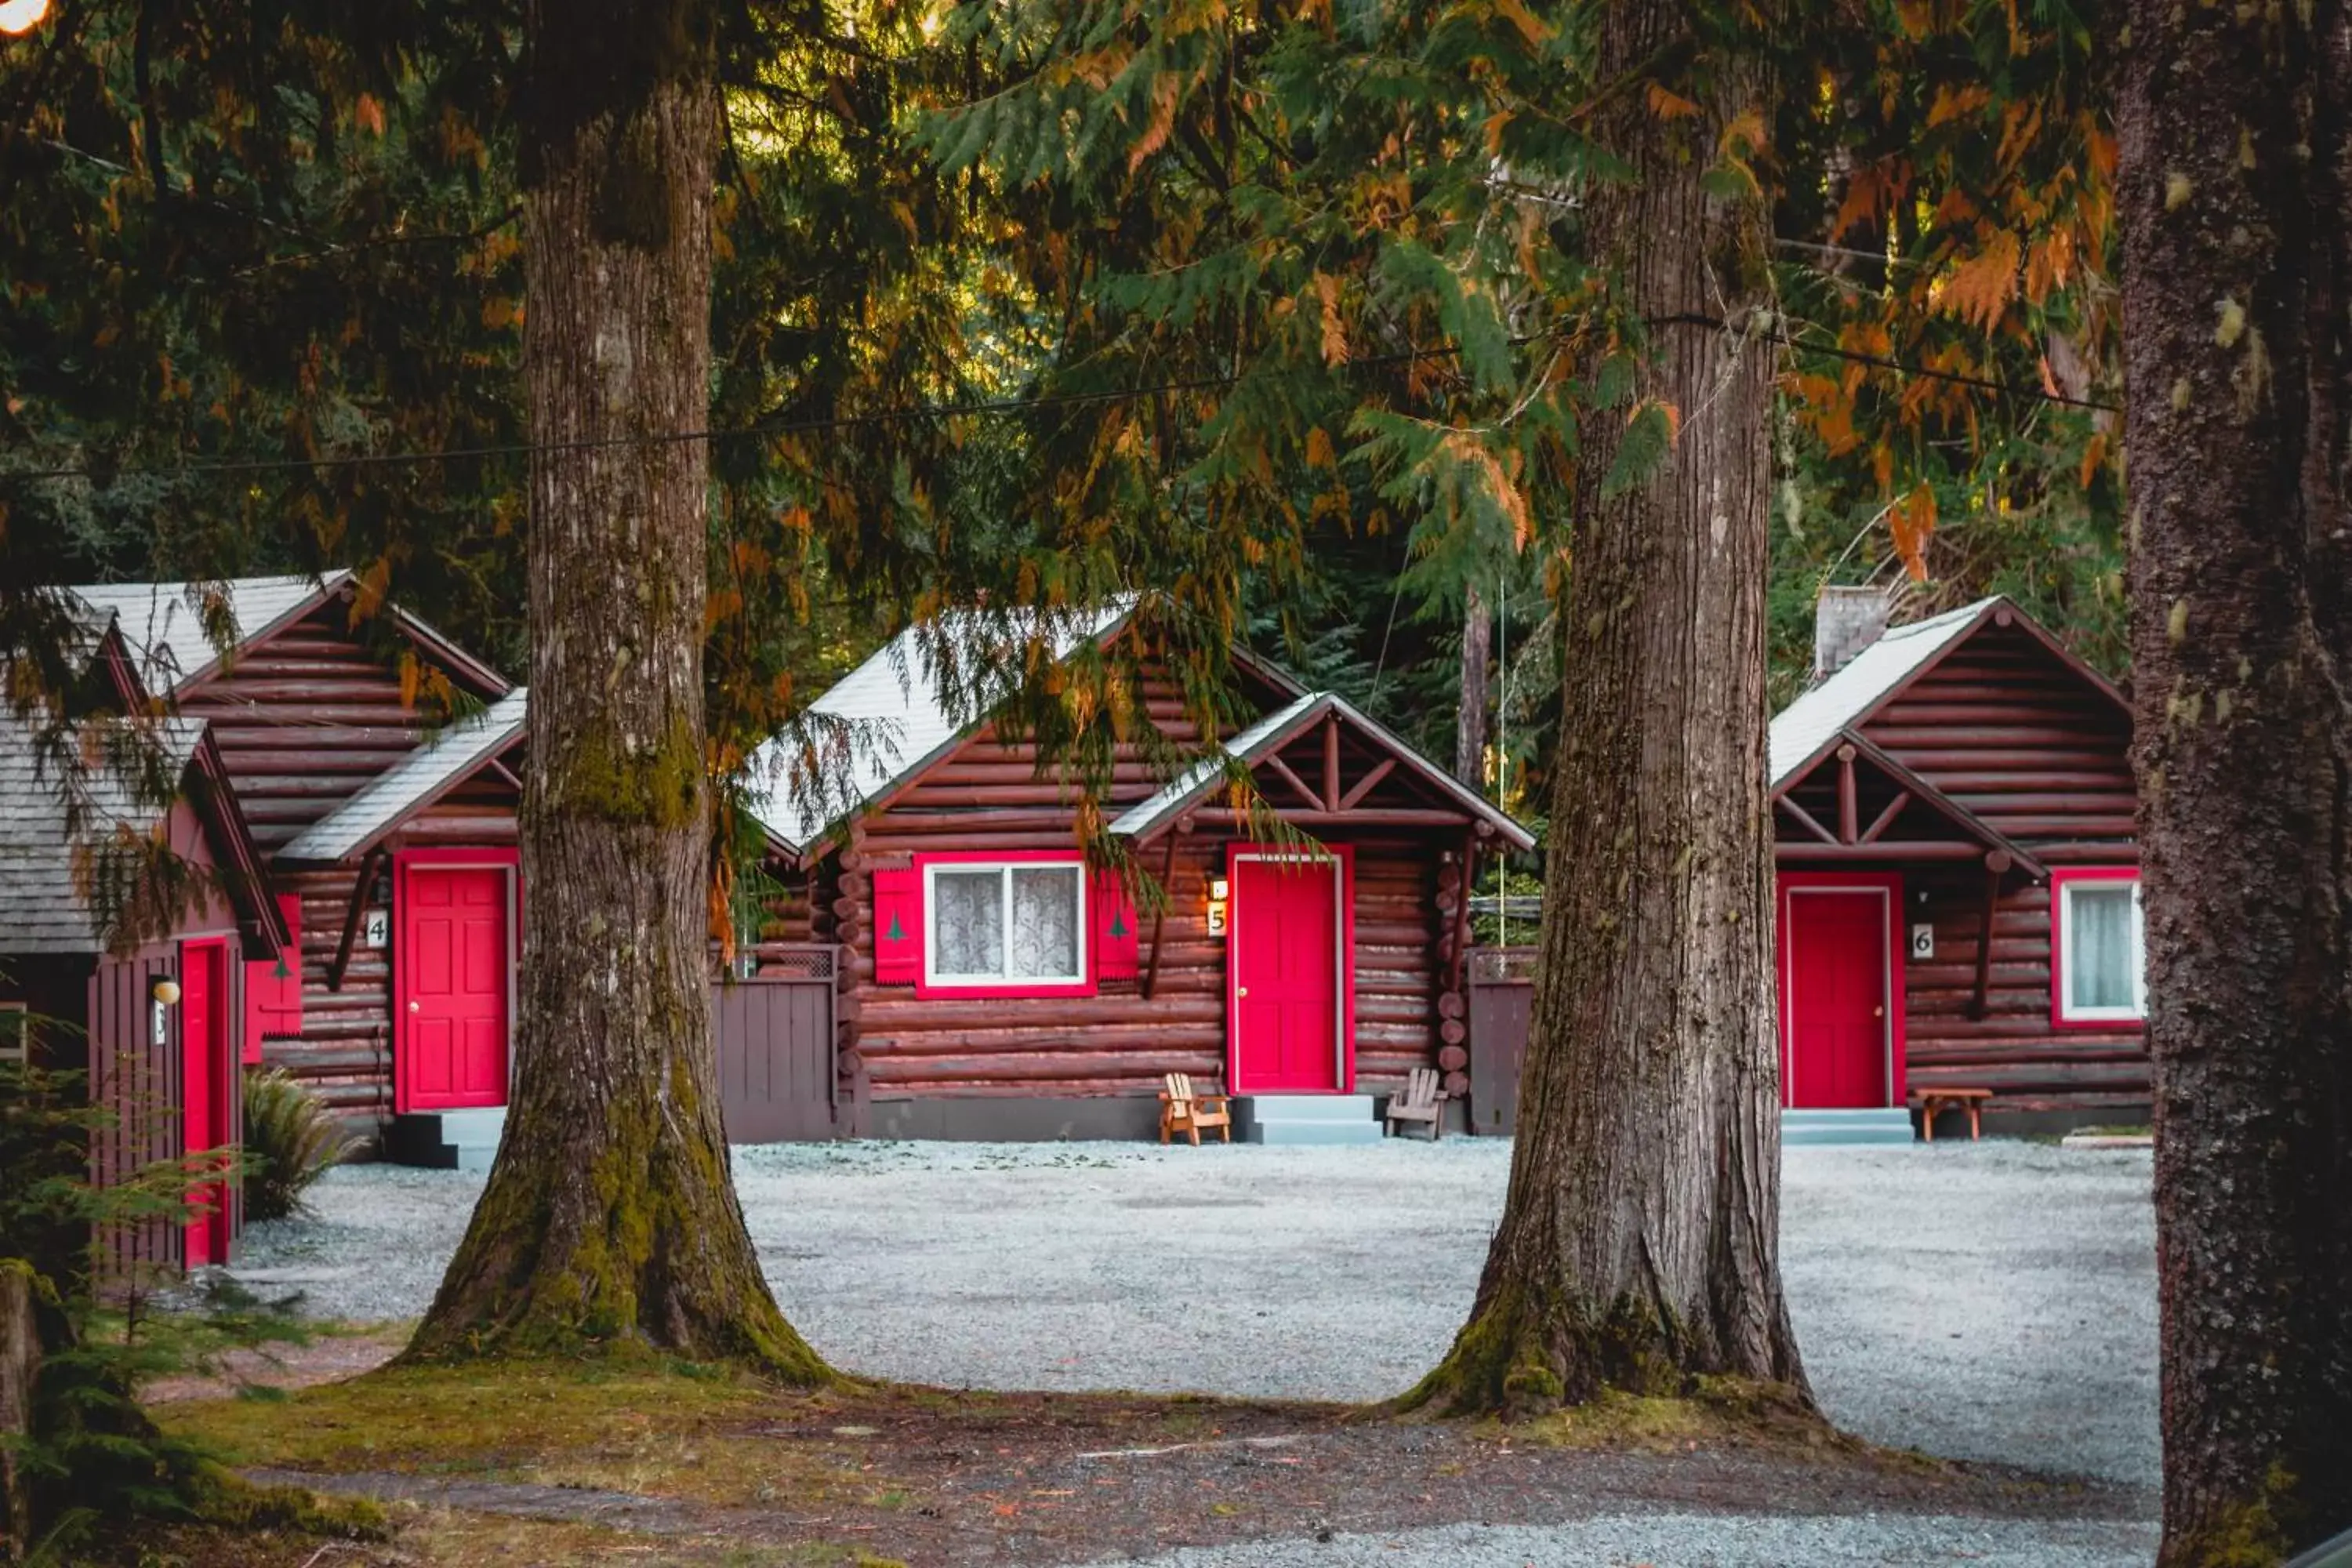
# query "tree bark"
(2237, 207)
(1639, 1242)
(1470, 726)
(610, 1217)
(20, 1370)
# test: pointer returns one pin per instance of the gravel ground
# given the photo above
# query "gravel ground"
(1707, 1541)
(1980, 1301)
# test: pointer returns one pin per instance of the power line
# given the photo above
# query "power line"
(988, 407)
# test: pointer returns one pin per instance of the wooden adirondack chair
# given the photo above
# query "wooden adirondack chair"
(1423, 1100)
(1184, 1110)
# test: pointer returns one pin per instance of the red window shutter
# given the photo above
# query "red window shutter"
(1117, 937)
(273, 986)
(898, 927)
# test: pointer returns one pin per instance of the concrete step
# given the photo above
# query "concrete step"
(1891, 1124)
(448, 1139)
(1306, 1118)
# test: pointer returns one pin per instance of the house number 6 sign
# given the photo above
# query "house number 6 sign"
(1923, 941)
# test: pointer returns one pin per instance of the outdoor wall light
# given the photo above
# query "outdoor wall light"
(167, 992)
(21, 16)
(1220, 893)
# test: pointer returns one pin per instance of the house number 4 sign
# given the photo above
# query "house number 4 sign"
(376, 927)
(1923, 941)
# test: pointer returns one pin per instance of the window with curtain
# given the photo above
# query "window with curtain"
(2100, 951)
(1009, 925)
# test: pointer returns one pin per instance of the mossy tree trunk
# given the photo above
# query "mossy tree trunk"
(2237, 207)
(1639, 1242)
(610, 1217)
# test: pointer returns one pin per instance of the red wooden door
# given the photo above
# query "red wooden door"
(205, 1083)
(1285, 961)
(1836, 1001)
(452, 960)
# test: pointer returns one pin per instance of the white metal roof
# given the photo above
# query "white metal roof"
(1269, 732)
(888, 716)
(165, 632)
(414, 782)
(43, 907)
(1807, 725)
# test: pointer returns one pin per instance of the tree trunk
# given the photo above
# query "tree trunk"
(20, 1370)
(610, 1217)
(1639, 1242)
(2236, 202)
(1470, 726)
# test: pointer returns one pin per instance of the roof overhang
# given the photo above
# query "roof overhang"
(396, 795)
(1848, 840)
(1261, 742)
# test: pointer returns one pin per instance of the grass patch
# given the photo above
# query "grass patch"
(662, 1428)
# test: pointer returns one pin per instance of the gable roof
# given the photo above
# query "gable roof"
(894, 717)
(1970, 825)
(1275, 730)
(410, 784)
(1803, 731)
(43, 907)
(171, 651)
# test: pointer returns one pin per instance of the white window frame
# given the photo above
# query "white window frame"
(2064, 967)
(935, 978)
(16, 1033)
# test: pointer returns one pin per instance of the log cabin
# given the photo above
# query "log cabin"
(1958, 874)
(387, 827)
(998, 986)
(144, 986)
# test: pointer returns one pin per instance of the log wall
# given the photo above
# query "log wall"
(304, 719)
(2006, 729)
(987, 796)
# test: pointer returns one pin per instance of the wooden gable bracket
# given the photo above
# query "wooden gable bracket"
(1364, 786)
(1997, 865)
(1332, 763)
(1283, 770)
(370, 864)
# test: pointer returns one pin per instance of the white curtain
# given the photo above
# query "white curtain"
(967, 922)
(2099, 947)
(1046, 924)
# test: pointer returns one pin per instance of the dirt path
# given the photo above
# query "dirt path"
(1041, 1480)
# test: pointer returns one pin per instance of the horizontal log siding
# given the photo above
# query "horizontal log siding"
(987, 797)
(2006, 730)
(304, 719)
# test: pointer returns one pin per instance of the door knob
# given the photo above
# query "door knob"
(1874, 1011)
(1241, 990)
(415, 1008)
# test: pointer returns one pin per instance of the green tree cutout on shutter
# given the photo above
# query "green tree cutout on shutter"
(1119, 920)
(897, 932)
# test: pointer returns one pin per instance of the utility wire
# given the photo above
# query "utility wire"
(978, 408)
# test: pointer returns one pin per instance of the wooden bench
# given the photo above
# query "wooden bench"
(1930, 1101)
(1423, 1099)
(1184, 1110)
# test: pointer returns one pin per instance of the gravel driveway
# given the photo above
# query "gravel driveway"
(1988, 1301)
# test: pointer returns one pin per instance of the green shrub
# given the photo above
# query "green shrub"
(290, 1139)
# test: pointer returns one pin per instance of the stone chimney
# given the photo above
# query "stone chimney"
(1845, 622)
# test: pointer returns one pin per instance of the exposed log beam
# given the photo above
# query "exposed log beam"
(1160, 915)
(1365, 785)
(1886, 819)
(1331, 765)
(342, 959)
(1849, 803)
(1805, 820)
(1905, 851)
(1283, 771)
(1382, 817)
(1979, 999)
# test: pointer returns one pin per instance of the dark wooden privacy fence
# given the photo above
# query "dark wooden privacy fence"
(775, 1015)
(1502, 999)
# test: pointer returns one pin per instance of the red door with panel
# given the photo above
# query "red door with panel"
(1286, 955)
(453, 962)
(206, 1082)
(1834, 998)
